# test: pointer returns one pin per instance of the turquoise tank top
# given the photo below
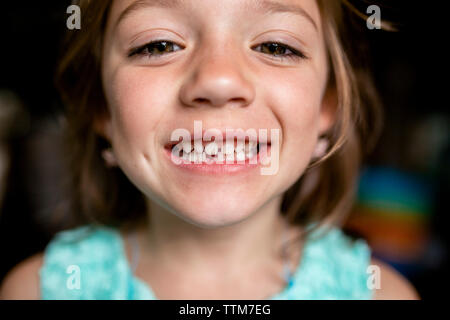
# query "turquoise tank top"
(90, 263)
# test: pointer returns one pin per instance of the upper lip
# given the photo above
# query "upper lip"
(239, 134)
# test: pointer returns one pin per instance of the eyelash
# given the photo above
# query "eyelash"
(141, 50)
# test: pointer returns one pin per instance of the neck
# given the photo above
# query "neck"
(245, 245)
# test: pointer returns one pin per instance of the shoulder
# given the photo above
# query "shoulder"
(393, 286)
(89, 255)
(22, 282)
(78, 242)
(335, 266)
(87, 262)
(357, 257)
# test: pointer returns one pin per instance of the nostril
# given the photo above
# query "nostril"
(201, 100)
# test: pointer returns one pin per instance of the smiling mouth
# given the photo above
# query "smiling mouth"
(217, 152)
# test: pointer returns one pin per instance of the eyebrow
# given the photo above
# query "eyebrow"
(268, 6)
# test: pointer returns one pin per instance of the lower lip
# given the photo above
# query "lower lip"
(215, 168)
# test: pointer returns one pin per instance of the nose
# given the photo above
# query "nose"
(217, 79)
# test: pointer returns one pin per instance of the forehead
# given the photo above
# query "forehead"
(307, 9)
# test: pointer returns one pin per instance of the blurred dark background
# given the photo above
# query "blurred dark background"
(402, 208)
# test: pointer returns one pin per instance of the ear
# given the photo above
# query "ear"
(102, 126)
(328, 109)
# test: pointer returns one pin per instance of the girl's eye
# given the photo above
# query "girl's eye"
(278, 50)
(154, 48)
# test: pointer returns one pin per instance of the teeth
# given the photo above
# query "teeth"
(198, 147)
(251, 152)
(211, 151)
(251, 149)
(219, 158)
(177, 148)
(240, 145)
(187, 147)
(252, 144)
(230, 157)
(240, 156)
(186, 156)
(197, 157)
(229, 148)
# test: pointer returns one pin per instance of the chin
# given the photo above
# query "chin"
(207, 213)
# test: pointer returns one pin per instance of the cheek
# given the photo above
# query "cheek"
(297, 103)
(136, 105)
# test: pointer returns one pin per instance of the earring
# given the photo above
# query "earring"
(109, 157)
(321, 148)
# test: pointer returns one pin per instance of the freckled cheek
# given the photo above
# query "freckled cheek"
(137, 107)
(300, 111)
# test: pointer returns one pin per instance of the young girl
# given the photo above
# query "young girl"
(148, 227)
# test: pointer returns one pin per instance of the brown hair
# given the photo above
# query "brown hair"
(323, 193)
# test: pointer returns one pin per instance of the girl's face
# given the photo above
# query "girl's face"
(217, 63)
